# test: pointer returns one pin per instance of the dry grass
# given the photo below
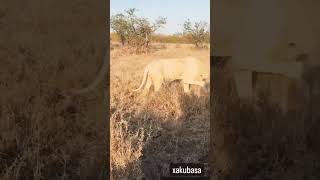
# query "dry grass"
(148, 134)
(46, 49)
(261, 143)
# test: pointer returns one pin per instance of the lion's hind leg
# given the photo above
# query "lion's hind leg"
(157, 84)
(147, 87)
(186, 88)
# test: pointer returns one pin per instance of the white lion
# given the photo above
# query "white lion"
(189, 70)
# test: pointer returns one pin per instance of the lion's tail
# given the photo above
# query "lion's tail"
(144, 80)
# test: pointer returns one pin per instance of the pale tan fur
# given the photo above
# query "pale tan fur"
(189, 70)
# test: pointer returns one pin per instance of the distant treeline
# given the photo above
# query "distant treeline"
(161, 38)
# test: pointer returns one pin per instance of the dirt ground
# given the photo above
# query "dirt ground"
(147, 134)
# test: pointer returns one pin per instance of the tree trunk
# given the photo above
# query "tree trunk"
(146, 41)
(122, 40)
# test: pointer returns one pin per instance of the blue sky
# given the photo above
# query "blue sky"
(176, 11)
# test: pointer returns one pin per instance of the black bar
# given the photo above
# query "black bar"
(184, 178)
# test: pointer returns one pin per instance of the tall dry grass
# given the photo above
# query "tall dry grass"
(147, 134)
(46, 48)
(257, 141)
